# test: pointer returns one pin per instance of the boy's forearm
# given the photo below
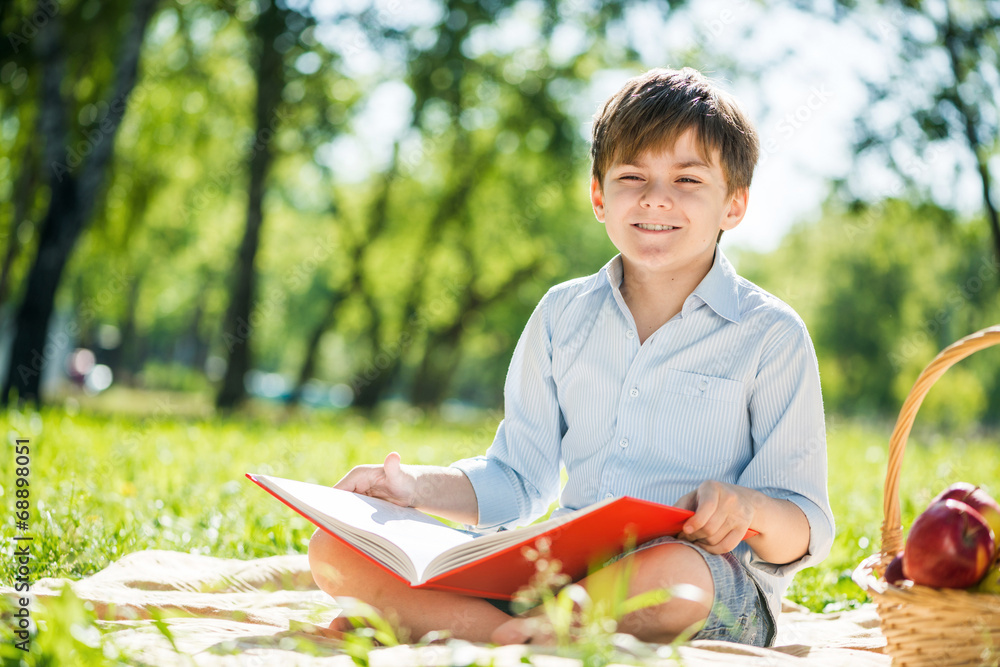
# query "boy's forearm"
(783, 528)
(445, 492)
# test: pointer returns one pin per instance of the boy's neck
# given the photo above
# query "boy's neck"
(653, 297)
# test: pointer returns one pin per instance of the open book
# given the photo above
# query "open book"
(426, 553)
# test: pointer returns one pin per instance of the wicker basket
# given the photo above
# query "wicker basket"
(924, 625)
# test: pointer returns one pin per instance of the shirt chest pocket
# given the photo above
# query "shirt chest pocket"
(705, 420)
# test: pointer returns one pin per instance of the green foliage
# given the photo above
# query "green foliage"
(578, 626)
(582, 623)
(931, 131)
(64, 632)
(371, 630)
(880, 302)
(173, 377)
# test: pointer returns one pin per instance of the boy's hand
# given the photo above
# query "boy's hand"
(443, 491)
(389, 481)
(722, 514)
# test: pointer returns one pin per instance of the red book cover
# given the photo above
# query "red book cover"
(491, 566)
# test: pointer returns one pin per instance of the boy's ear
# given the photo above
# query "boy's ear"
(737, 209)
(597, 199)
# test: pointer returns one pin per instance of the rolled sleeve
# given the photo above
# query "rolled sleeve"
(495, 484)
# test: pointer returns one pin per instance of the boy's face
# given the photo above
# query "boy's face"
(664, 212)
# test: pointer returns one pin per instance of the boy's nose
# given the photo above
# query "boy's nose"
(656, 196)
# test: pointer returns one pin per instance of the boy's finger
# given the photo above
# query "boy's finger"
(687, 501)
(704, 511)
(361, 478)
(729, 542)
(715, 528)
(728, 538)
(350, 481)
(391, 465)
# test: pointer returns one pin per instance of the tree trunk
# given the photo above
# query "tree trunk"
(437, 368)
(32, 349)
(443, 350)
(308, 368)
(991, 209)
(371, 384)
(24, 193)
(238, 327)
(387, 363)
(355, 285)
(198, 342)
(71, 202)
(122, 359)
(970, 118)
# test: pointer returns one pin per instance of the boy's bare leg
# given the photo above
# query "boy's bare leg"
(341, 572)
(661, 567)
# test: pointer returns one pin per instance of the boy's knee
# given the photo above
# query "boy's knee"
(684, 575)
(675, 566)
(318, 544)
(322, 554)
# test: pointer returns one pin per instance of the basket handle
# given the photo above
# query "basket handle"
(892, 528)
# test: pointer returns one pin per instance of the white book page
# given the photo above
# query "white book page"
(420, 537)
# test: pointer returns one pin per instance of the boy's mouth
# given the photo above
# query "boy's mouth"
(654, 228)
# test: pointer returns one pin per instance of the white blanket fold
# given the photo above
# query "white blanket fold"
(259, 612)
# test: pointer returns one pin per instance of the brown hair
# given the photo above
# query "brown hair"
(653, 109)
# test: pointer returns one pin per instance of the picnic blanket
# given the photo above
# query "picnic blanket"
(222, 612)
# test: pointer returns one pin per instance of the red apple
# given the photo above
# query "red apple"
(894, 571)
(977, 499)
(950, 545)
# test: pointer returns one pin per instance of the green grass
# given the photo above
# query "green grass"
(103, 485)
(858, 453)
(106, 485)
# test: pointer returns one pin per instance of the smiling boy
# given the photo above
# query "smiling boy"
(664, 376)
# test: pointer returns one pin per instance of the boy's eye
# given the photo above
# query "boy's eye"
(688, 179)
(630, 177)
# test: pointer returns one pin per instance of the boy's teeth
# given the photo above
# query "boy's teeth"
(655, 228)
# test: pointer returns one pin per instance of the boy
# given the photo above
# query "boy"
(664, 376)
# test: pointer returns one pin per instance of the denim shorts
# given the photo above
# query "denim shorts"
(739, 612)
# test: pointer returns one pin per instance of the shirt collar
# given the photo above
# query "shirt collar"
(719, 289)
(610, 274)
(615, 271)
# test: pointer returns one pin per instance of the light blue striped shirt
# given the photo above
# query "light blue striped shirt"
(728, 389)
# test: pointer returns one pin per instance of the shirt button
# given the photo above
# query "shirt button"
(630, 334)
(633, 392)
(623, 442)
(609, 495)
(703, 386)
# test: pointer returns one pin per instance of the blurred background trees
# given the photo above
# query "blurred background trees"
(938, 102)
(73, 158)
(334, 203)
